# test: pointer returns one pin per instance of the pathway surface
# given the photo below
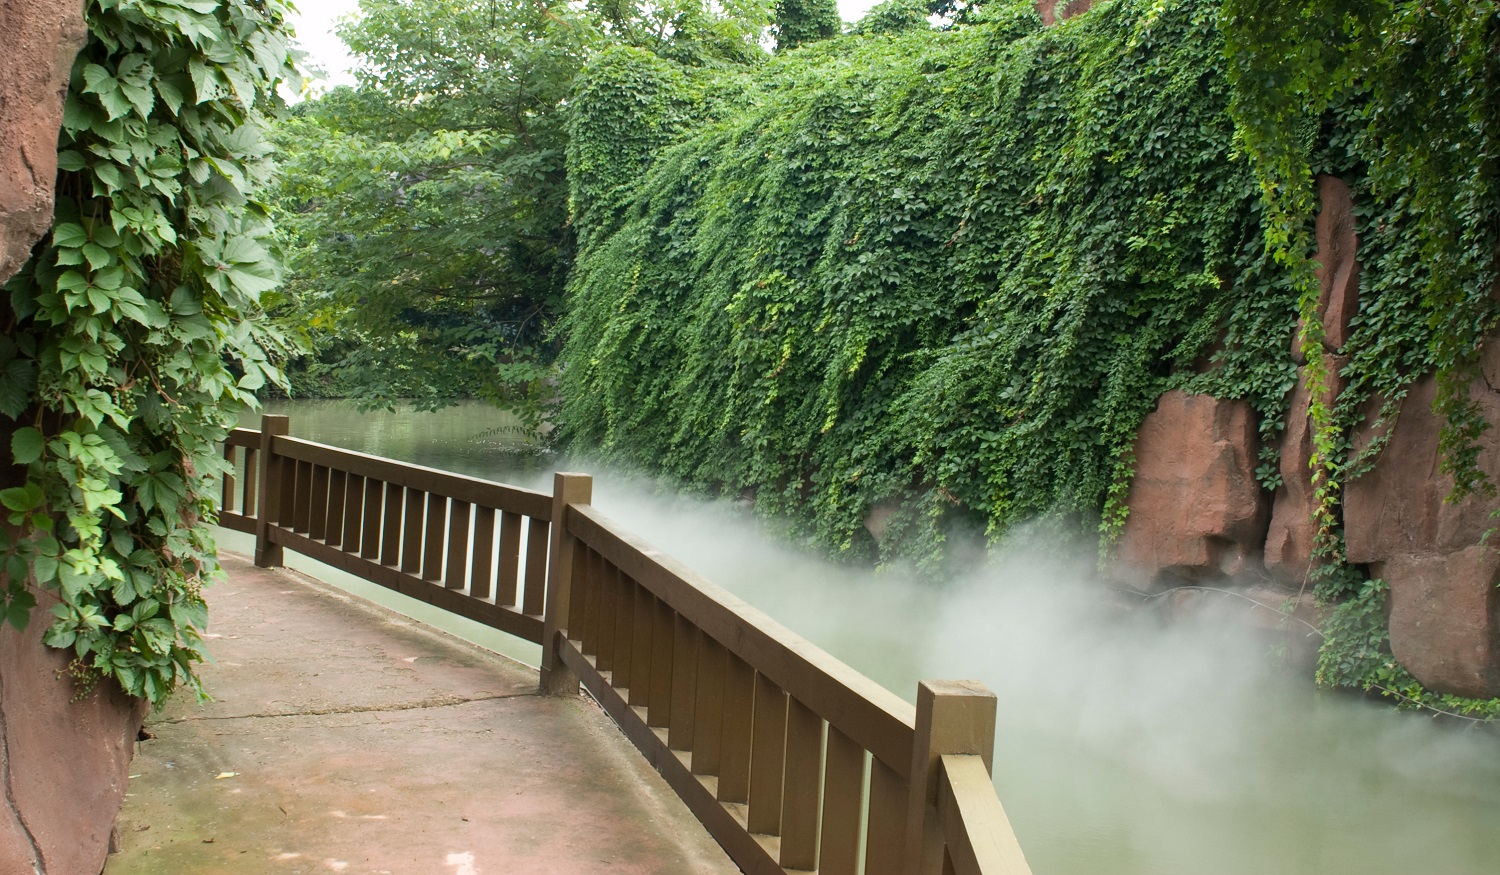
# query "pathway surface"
(346, 738)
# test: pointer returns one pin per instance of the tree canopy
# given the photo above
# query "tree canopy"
(425, 213)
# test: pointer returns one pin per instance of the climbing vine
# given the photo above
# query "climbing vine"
(945, 271)
(1403, 100)
(131, 341)
(948, 273)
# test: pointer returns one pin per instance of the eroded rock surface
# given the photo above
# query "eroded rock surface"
(63, 764)
(1292, 531)
(1442, 571)
(1196, 509)
(1053, 11)
(41, 38)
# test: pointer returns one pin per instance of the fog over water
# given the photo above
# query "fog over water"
(1125, 744)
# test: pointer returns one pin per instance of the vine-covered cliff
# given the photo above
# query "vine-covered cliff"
(894, 283)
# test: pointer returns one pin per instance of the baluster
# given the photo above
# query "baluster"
(354, 512)
(593, 617)
(370, 526)
(302, 511)
(734, 749)
(454, 577)
(768, 757)
(226, 483)
(663, 636)
(640, 640)
(482, 569)
(390, 526)
(684, 684)
(510, 558)
(578, 605)
(885, 834)
(432, 553)
(624, 628)
(804, 768)
(843, 792)
(317, 519)
(609, 608)
(251, 492)
(334, 526)
(535, 592)
(708, 706)
(411, 536)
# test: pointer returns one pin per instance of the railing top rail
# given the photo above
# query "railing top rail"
(475, 490)
(242, 437)
(978, 835)
(872, 716)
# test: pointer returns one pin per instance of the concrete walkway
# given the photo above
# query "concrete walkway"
(346, 738)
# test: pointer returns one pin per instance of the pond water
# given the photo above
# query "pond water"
(1124, 745)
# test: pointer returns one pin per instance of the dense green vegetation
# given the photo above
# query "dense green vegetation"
(425, 212)
(942, 270)
(953, 271)
(131, 341)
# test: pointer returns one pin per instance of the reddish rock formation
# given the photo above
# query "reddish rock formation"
(41, 39)
(1196, 509)
(1290, 536)
(1444, 613)
(1338, 265)
(1053, 11)
(63, 764)
(1445, 618)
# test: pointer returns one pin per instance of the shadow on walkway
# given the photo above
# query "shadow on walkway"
(346, 738)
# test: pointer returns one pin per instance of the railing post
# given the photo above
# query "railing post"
(557, 678)
(953, 717)
(268, 503)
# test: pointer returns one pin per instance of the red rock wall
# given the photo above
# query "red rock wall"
(41, 38)
(1053, 11)
(63, 764)
(1195, 505)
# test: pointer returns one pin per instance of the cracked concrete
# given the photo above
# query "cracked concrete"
(345, 738)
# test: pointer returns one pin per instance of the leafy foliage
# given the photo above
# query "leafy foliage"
(131, 341)
(805, 21)
(1403, 99)
(950, 272)
(425, 214)
(948, 269)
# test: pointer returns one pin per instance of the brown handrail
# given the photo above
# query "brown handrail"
(792, 760)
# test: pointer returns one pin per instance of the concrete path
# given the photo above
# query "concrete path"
(346, 738)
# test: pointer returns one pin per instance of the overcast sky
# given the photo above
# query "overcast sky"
(315, 34)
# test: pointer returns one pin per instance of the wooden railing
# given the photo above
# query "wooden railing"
(792, 760)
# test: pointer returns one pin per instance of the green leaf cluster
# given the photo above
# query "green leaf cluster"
(425, 213)
(1402, 99)
(132, 338)
(950, 270)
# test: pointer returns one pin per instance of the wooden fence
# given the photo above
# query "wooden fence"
(792, 760)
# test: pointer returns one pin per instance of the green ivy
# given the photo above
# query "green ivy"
(947, 270)
(951, 272)
(131, 338)
(1401, 99)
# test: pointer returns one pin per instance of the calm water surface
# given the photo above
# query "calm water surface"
(1123, 746)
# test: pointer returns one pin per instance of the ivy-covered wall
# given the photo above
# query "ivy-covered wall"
(947, 275)
(953, 269)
